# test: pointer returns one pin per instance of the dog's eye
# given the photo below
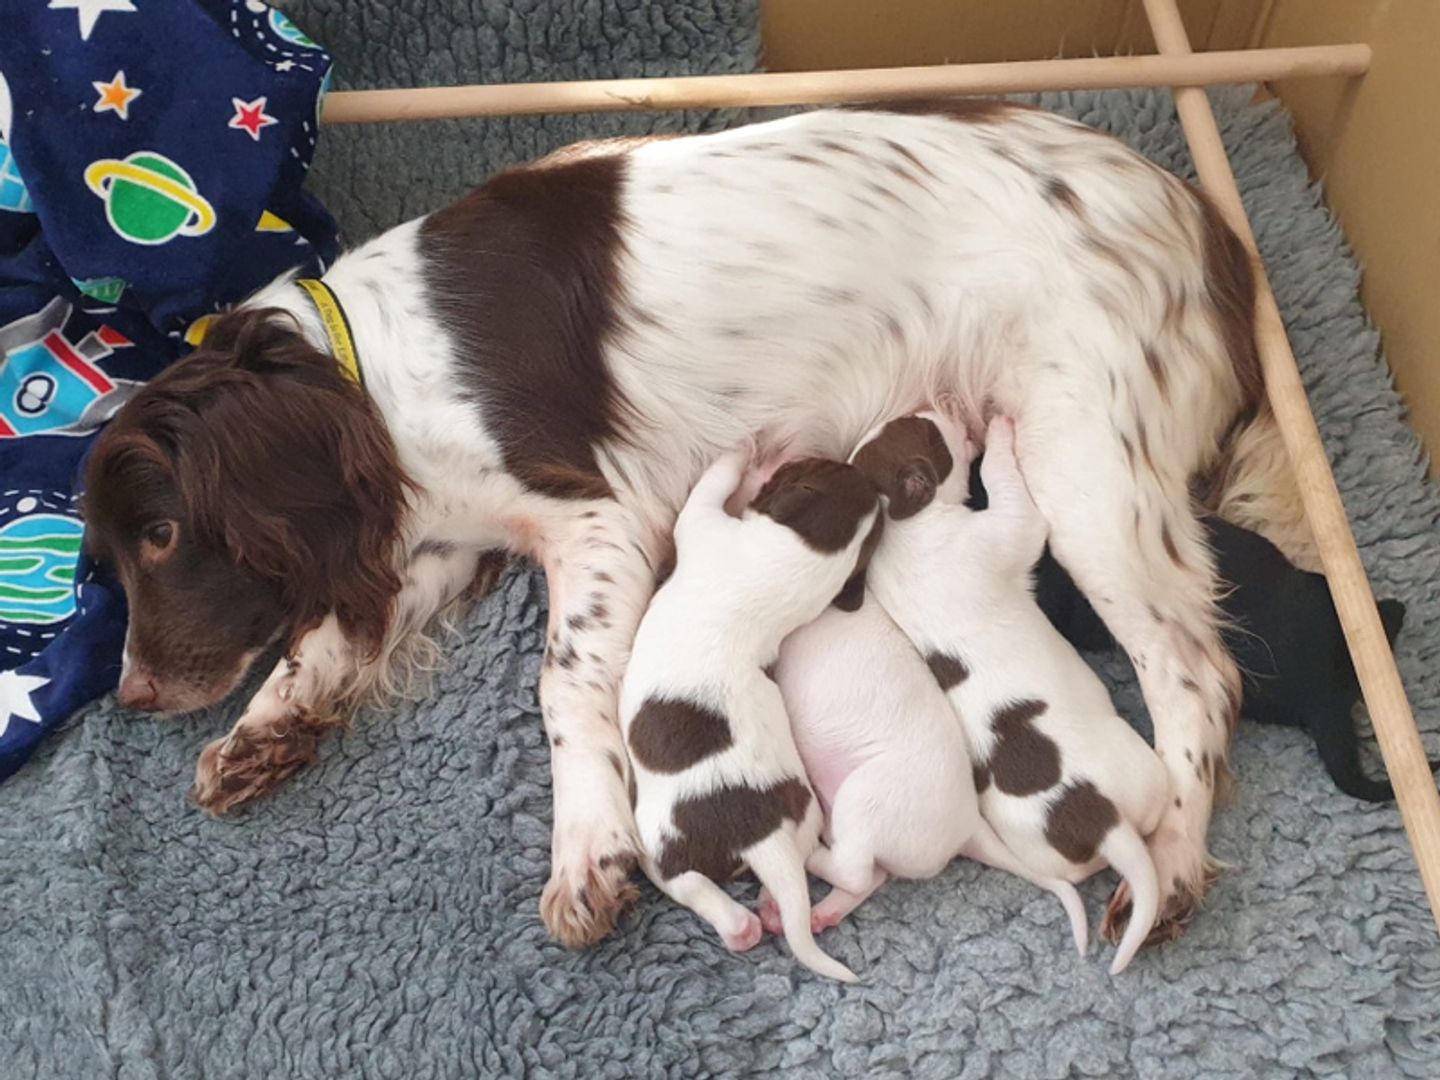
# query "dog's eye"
(160, 534)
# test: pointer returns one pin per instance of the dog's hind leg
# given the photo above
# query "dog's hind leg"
(1125, 531)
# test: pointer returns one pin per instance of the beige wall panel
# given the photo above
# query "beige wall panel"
(808, 35)
(1376, 146)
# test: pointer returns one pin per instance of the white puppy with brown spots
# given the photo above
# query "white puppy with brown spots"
(887, 759)
(1068, 784)
(719, 785)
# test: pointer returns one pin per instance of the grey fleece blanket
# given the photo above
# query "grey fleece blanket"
(378, 917)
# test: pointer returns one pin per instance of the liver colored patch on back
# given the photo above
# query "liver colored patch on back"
(713, 829)
(523, 274)
(1079, 821)
(669, 736)
(1023, 761)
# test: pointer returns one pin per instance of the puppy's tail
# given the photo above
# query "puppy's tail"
(986, 846)
(1127, 854)
(777, 863)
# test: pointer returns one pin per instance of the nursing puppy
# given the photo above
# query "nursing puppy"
(718, 783)
(888, 761)
(1066, 783)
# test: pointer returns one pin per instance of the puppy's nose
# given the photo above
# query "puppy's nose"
(138, 691)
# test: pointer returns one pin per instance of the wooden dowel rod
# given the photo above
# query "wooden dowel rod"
(822, 87)
(1374, 663)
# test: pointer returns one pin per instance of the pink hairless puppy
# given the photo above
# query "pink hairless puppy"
(888, 761)
(1068, 784)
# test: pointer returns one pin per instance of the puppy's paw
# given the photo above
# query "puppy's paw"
(769, 913)
(255, 759)
(588, 889)
(746, 935)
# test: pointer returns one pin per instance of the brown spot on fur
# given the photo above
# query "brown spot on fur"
(949, 671)
(1062, 194)
(713, 829)
(1157, 372)
(616, 764)
(1023, 761)
(1143, 436)
(769, 671)
(1129, 449)
(1078, 822)
(1189, 684)
(909, 156)
(907, 461)
(523, 272)
(669, 736)
(1230, 283)
(1168, 541)
(823, 502)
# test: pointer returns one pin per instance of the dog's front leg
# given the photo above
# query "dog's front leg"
(282, 725)
(311, 690)
(600, 571)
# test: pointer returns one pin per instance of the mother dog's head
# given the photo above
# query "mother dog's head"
(240, 496)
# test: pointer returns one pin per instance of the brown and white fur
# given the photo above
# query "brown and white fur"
(719, 785)
(550, 362)
(888, 761)
(1068, 785)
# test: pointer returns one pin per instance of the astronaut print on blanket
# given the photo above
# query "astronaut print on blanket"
(152, 162)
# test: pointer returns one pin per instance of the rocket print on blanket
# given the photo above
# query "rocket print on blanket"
(152, 166)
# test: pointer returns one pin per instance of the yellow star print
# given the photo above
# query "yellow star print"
(115, 96)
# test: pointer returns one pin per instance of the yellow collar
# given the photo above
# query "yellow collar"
(337, 327)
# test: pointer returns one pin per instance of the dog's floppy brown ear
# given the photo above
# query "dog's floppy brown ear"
(852, 595)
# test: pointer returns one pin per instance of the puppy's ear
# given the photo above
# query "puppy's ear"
(912, 489)
(852, 596)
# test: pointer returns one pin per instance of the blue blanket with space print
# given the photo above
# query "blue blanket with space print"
(152, 157)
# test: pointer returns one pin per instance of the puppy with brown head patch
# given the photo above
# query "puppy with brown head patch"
(1067, 784)
(719, 785)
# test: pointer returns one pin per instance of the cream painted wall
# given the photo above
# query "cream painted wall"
(1374, 143)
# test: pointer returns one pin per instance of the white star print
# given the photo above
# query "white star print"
(90, 11)
(15, 691)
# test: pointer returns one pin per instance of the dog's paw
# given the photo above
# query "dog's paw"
(587, 891)
(254, 760)
(1185, 874)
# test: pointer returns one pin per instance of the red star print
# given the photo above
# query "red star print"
(250, 117)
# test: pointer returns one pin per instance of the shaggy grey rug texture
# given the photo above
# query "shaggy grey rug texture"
(378, 918)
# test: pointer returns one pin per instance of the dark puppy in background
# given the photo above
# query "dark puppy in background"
(1283, 632)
